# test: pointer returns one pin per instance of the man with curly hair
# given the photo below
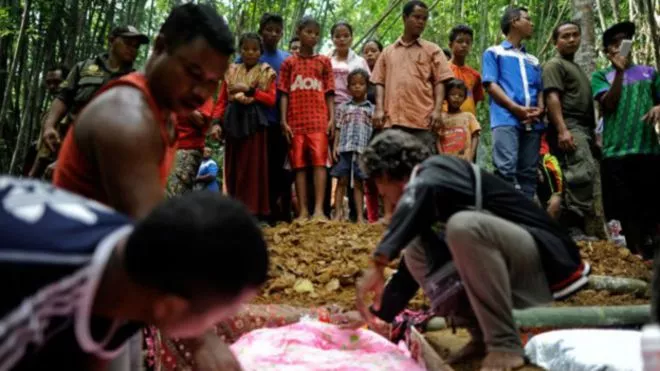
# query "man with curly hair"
(507, 251)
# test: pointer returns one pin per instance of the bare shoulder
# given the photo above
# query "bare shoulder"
(121, 112)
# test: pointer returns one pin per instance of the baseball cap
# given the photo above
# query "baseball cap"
(627, 28)
(130, 31)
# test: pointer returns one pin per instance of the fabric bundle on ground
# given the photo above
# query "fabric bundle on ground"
(315, 346)
(586, 350)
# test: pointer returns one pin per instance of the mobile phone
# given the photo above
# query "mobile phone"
(625, 47)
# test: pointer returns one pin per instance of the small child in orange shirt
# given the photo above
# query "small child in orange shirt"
(459, 134)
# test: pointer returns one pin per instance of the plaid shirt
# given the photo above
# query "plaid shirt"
(354, 124)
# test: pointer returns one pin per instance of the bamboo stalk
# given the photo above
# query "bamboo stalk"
(12, 70)
(377, 24)
(565, 317)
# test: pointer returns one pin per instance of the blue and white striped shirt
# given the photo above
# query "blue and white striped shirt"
(519, 74)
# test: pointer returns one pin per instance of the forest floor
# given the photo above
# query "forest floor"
(317, 263)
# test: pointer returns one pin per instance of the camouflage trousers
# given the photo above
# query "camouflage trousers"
(583, 189)
(182, 177)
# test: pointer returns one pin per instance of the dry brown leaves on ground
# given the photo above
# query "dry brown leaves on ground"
(609, 259)
(317, 263)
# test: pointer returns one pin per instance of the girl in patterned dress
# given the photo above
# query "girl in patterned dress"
(248, 88)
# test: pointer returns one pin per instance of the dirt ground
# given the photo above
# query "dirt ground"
(446, 343)
(608, 259)
(318, 262)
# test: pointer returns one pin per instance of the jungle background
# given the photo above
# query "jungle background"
(38, 34)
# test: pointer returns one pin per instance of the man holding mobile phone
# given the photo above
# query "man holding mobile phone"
(629, 95)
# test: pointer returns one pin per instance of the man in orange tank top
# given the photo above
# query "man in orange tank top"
(121, 147)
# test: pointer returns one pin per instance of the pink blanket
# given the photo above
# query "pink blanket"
(316, 346)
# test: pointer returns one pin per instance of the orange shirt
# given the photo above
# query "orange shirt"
(455, 137)
(472, 80)
(409, 73)
(79, 174)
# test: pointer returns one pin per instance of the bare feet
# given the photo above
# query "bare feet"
(319, 216)
(473, 349)
(502, 361)
(302, 217)
(339, 216)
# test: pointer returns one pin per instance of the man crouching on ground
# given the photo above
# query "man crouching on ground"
(508, 253)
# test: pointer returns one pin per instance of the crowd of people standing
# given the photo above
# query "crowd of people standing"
(294, 118)
(125, 140)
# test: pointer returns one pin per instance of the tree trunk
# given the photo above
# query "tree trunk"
(101, 32)
(50, 44)
(22, 141)
(583, 13)
(483, 35)
(601, 18)
(655, 37)
(615, 10)
(84, 20)
(72, 30)
(12, 70)
(377, 24)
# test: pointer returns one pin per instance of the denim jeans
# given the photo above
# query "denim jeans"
(516, 155)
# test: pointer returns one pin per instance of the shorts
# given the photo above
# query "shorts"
(347, 163)
(309, 150)
(630, 187)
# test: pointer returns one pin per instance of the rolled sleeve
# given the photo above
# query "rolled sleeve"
(490, 71)
(441, 70)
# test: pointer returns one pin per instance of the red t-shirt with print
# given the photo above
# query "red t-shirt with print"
(307, 81)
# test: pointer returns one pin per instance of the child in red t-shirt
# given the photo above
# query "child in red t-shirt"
(307, 108)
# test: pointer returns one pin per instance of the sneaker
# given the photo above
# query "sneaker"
(575, 283)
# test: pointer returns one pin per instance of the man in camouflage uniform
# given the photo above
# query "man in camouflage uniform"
(87, 77)
(39, 155)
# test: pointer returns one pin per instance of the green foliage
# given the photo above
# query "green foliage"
(50, 24)
(7, 26)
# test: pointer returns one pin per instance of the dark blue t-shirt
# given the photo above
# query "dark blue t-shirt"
(54, 247)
